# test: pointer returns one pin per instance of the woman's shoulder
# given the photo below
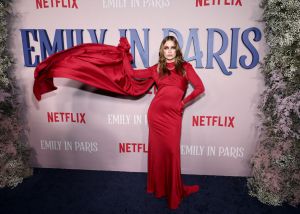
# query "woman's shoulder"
(186, 65)
(154, 67)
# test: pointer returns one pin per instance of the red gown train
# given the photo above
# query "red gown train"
(108, 67)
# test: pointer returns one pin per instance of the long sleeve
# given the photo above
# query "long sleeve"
(143, 73)
(196, 82)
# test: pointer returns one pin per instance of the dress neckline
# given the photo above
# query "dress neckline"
(170, 66)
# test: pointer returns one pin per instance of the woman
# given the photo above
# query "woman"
(171, 75)
(109, 68)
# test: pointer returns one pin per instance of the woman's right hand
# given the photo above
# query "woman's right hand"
(180, 108)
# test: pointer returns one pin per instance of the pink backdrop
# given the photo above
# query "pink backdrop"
(77, 127)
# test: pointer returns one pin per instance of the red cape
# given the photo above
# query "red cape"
(102, 66)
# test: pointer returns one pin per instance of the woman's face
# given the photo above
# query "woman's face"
(170, 51)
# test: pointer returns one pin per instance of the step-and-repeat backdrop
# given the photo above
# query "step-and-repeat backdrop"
(79, 127)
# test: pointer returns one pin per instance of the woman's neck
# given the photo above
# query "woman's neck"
(170, 65)
(170, 61)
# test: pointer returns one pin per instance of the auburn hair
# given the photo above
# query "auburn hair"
(162, 62)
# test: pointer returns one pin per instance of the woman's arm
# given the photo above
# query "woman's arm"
(145, 73)
(142, 73)
(196, 82)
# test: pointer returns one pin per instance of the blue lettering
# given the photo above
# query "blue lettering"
(167, 31)
(70, 40)
(250, 47)
(93, 35)
(27, 48)
(70, 37)
(122, 32)
(79, 36)
(136, 42)
(192, 51)
(194, 40)
(216, 55)
(45, 44)
(234, 47)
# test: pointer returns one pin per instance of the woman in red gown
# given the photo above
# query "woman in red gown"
(171, 76)
(109, 68)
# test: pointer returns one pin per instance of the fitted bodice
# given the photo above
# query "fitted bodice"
(173, 79)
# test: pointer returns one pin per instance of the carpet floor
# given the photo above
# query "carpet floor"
(62, 191)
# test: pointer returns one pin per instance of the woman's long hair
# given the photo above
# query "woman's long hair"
(162, 63)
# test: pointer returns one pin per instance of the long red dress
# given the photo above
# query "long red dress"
(108, 68)
(165, 119)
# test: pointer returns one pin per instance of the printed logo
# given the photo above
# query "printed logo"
(132, 148)
(66, 117)
(221, 121)
(213, 151)
(41, 4)
(117, 4)
(68, 145)
(201, 3)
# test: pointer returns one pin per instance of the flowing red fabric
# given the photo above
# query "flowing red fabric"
(109, 68)
(99, 65)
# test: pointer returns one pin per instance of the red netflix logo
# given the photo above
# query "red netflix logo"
(132, 147)
(66, 117)
(201, 3)
(56, 4)
(227, 121)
